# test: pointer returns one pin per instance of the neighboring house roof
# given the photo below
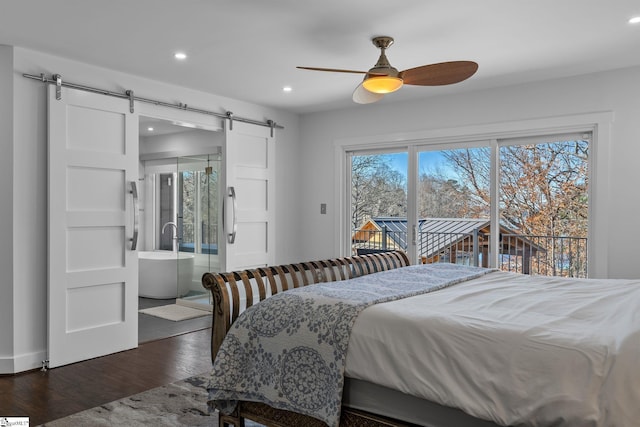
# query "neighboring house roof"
(397, 228)
(449, 231)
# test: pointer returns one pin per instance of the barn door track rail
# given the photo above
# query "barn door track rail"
(56, 79)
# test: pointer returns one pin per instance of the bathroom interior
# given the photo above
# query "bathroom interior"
(179, 216)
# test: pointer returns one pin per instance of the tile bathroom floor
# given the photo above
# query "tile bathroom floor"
(152, 328)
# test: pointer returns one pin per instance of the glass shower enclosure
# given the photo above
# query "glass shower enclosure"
(185, 217)
(197, 221)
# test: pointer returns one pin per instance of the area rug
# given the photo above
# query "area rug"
(183, 403)
(175, 312)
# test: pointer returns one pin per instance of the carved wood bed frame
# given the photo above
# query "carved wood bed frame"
(227, 305)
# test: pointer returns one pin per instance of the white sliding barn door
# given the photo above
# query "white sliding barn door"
(93, 270)
(249, 203)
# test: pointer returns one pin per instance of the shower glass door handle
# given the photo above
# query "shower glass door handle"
(136, 219)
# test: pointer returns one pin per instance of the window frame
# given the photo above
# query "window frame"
(598, 124)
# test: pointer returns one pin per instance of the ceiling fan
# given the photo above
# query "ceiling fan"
(383, 78)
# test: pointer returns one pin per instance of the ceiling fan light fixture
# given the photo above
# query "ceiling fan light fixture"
(382, 84)
(383, 78)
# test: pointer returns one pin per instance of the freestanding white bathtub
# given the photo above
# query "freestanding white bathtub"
(164, 274)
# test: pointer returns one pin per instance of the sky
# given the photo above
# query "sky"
(427, 160)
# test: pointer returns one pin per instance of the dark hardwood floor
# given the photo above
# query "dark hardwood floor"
(46, 396)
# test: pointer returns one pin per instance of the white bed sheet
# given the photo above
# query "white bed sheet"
(512, 349)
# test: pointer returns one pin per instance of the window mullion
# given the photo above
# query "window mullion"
(494, 244)
(412, 205)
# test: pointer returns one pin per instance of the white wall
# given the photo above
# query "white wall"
(6, 207)
(616, 91)
(23, 173)
(189, 142)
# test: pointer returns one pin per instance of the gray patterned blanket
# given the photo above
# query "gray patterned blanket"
(289, 350)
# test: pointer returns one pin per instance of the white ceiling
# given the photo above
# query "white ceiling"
(248, 49)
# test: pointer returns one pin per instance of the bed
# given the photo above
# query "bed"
(493, 349)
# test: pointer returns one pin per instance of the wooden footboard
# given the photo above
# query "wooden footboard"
(234, 292)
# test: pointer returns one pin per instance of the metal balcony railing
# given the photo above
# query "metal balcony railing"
(564, 256)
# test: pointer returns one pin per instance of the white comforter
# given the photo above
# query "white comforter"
(512, 349)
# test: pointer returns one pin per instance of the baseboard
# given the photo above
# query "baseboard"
(21, 363)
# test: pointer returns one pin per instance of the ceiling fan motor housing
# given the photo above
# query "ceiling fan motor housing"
(382, 66)
(382, 78)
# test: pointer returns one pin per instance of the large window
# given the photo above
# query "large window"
(378, 193)
(453, 201)
(534, 194)
(544, 206)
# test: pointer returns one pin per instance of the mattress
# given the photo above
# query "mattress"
(376, 399)
(511, 349)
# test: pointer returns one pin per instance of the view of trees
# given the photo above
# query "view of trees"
(444, 197)
(208, 189)
(543, 188)
(187, 193)
(543, 199)
(209, 206)
(376, 189)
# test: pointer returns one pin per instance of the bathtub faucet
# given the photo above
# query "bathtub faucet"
(174, 235)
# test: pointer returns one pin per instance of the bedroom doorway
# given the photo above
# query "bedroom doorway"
(533, 190)
(180, 169)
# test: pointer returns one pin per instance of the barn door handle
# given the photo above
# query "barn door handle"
(231, 234)
(136, 219)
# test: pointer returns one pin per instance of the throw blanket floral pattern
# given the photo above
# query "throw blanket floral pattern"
(289, 350)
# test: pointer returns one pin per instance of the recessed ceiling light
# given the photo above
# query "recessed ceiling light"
(634, 20)
(287, 89)
(180, 55)
(150, 129)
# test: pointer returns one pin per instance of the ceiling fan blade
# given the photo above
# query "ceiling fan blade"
(443, 73)
(333, 70)
(363, 96)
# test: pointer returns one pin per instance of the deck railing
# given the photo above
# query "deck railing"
(564, 256)
(527, 254)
